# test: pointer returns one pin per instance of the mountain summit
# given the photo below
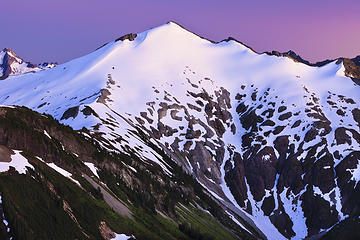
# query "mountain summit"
(271, 138)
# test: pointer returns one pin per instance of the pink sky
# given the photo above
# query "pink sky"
(43, 30)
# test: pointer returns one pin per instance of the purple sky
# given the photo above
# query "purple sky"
(43, 30)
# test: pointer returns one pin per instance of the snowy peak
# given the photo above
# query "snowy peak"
(7, 51)
(11, 64)
(175, 33)
(169, 29)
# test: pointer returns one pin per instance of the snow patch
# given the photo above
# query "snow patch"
(46, 134)
(295, 212)
(132, 169)
(63, 172)
(355, 174)
(266, 157)
(92, 167)
(121, 237)
(18, 161)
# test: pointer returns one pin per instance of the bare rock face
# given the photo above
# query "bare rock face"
(341, 136)
(318, 211)
(347, 229)
(260, 172)
(268, 206)
(5, 154)
(130, 37)
(235, 179)
(283, 223)
(105, 231)
(207, 166)
(349, 188)
(87, 111)
(352, 67)
(71, 112)
(104, 96)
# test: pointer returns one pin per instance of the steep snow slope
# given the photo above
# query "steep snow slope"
(220, 110)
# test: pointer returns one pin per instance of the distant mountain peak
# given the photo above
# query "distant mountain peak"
(12, 64)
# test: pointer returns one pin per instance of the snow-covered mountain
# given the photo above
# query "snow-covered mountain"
(11, 64)
(274, 138)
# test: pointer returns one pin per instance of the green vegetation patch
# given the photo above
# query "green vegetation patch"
(200, 225)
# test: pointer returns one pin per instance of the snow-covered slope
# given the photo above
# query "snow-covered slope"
(265, 134)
